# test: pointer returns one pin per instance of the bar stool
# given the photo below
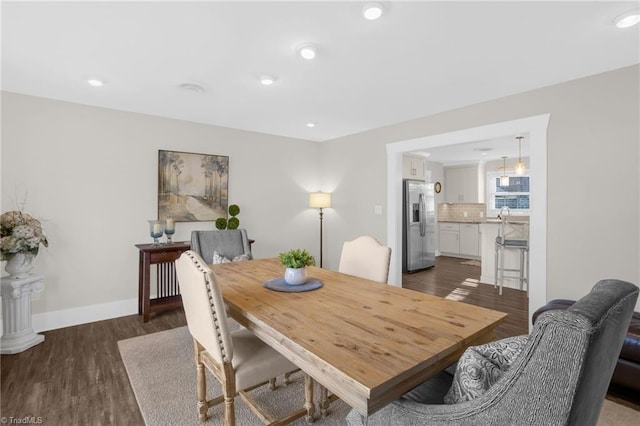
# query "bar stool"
(512, 235)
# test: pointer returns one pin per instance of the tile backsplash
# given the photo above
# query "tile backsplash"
(462, 212)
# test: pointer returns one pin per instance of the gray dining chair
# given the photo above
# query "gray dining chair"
(239, 360)
(560, 377)
(228, 244)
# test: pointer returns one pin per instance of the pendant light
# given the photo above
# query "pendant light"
(520, 167)
(504, 179)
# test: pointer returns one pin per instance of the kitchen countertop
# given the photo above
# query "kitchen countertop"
(491, 220)
(461, 221)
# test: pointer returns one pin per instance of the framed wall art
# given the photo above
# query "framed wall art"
(192, 187)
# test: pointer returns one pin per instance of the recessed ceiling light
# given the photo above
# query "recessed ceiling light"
(267, 80)
(307, 51)
(628, 19)
(95, 82)
(372, 11)
(311, 124)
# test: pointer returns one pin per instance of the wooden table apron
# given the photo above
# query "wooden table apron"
(364, 341)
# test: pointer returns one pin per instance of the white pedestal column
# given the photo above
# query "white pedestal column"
(18, 334)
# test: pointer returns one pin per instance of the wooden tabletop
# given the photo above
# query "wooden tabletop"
(366, 342)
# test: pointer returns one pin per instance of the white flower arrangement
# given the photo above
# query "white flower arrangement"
(21, 233)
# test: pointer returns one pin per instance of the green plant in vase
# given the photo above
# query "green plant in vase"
(296, 261)
(21, 239)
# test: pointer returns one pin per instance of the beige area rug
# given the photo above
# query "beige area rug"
(162, 374)
(471, 262)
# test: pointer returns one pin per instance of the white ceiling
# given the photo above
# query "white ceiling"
(419, 59)
(479, 151)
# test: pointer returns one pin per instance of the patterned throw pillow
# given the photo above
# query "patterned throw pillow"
(241, 258)
(217, 258)
(481, 366)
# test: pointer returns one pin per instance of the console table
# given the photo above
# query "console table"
(167, 290)
(18, 334)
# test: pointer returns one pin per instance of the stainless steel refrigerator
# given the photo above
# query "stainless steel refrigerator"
(418, 226)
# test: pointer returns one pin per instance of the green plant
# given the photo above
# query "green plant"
(296, 258)
(233, 222)
(234, 210)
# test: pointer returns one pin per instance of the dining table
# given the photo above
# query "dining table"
(368, 343)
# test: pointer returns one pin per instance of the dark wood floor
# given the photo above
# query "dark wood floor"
(452, 278)
(76, 377)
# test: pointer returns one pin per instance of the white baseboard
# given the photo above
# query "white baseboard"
(75, 316)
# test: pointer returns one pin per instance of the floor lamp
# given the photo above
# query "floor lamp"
(320, 200)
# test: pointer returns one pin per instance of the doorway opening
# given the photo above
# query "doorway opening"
(536, 127)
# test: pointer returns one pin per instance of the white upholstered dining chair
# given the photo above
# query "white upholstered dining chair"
(365, 257)
(238, 360)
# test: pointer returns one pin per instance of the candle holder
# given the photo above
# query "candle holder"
(156, 229)
(169, 229)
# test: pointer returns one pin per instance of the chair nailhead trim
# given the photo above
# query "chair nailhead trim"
(216, 322)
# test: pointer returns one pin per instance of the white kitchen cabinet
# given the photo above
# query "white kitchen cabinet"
(470, 239)
(459, 239)
(461, 184)
(414, 168)
(449, 238)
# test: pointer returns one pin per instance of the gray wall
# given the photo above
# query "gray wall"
(91, 175)
(593, 179)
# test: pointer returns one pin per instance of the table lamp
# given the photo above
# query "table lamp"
(320, 200)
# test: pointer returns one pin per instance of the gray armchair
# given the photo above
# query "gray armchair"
(228, 243)
(560, 377)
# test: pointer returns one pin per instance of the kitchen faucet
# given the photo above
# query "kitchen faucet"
(503, 208)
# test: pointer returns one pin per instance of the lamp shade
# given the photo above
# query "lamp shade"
(319, 200)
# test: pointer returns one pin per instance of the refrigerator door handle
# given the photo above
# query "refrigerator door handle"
(423, 219)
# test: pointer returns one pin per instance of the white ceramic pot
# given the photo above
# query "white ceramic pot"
(20, 264)
(295, 276)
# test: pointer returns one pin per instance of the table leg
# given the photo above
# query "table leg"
(140, 266)
(146, 290)
(308, 398)
(324, 401)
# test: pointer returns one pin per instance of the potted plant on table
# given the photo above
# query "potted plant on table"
(296, 261)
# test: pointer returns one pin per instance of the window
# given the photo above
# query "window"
(515, 195)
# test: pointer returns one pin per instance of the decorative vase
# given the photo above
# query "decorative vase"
(156, 229)
(20, 264)
(295, 276)
(169, 229)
